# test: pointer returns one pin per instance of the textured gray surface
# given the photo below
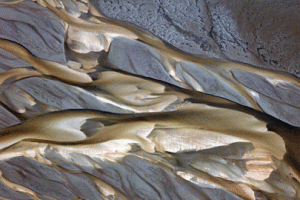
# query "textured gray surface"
(34, 27)
(209, 83)
(62, 96)
(283, 111)
(284, 92)
(279, 99)
(258, 31)
(8, 193)
(48, 180)
(40, 178)
(9, 61)
(261, 33)
(137, 58)
(137, 178)
(184, 24)
(7, 118)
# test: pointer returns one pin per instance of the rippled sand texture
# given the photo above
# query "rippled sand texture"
(92, 107)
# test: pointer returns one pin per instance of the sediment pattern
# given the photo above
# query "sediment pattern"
(92, 107)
